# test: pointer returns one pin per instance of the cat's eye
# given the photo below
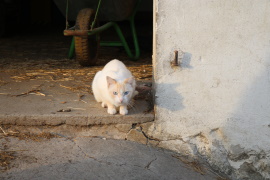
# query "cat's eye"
(115, 93)
(126, 93)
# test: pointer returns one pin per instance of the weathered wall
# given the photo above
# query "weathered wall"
(217, 104)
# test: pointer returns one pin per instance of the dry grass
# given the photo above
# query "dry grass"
(80, 78)
(2, 82)
(5, 159)
(6, 156)
(139, 71)
(27, 136)
(35, 137)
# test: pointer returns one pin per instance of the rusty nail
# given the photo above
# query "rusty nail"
(175, 61)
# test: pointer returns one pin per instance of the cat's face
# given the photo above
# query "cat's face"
(121, 92)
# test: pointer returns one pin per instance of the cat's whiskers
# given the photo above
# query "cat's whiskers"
(131, 105)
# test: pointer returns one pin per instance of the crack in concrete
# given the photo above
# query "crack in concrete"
(159, 140)
(132, 127)
(149, 164)
(149, 138)
(104, 162)
(120, 129)
(91, 157)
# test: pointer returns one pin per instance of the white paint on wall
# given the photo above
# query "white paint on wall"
(222, 89)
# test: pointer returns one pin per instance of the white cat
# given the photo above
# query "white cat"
(114, 86)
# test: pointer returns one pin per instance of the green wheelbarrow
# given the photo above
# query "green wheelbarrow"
(86, 32)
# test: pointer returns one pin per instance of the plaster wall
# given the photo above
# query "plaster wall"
(217, 103)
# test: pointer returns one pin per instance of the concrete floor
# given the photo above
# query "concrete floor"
(95, 158)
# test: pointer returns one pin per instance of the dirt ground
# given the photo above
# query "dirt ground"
(42, 54)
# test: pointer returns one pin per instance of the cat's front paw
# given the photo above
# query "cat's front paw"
(111, 111)
(104, 105)
(123, 110)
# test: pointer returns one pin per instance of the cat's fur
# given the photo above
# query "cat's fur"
(114, 87)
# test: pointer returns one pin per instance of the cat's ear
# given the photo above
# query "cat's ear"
(110, 81)
(130, 80)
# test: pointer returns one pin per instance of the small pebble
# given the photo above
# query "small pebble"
(64, 110)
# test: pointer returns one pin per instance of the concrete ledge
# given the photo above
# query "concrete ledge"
(53, 104)
(79, 120)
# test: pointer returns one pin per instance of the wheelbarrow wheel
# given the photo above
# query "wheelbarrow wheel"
(86, 47)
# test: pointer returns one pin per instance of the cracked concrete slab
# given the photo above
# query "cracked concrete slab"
(93, 158)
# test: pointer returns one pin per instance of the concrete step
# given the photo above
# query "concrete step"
(37, 102)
